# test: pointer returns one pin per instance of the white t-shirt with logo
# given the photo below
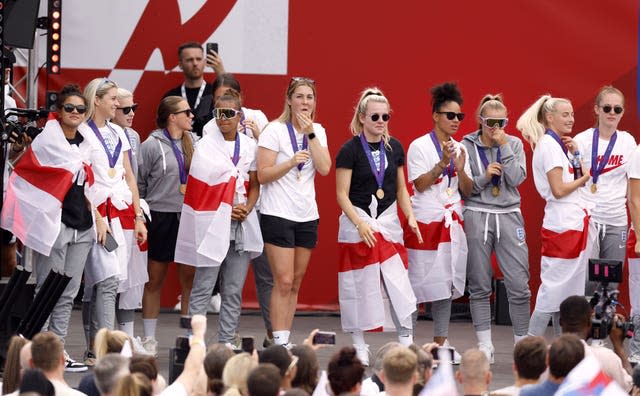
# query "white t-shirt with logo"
(610, 198)
(548, 155)
(293, 196)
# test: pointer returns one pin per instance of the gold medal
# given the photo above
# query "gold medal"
(111, 172)
(495, 191)
(594, 188)
(449, 192)
(183, 189)
(379, 193)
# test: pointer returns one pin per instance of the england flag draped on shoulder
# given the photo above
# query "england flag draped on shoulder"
(32, 209)
(362, 269)
(205, 222)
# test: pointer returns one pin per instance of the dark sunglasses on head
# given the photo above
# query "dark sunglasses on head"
(451, 115)
(616, 109)
(128, 109)
(494, 122)
(375, 117)
(187, 112)
(104, 82)
(224, 113)
(69, 108)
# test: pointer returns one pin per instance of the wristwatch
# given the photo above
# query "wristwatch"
(311, 136)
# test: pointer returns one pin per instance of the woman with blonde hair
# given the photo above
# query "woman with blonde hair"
(566, 236)
(165, 160)
(235, 374)
(493, 221)
(370, 184)
(136, 384)
(115, 194)
(290, 151)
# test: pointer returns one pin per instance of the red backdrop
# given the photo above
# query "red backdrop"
(523, 49)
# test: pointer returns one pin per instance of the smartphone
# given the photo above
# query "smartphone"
(248, 344)
(212, 47)
(185, 322)
(435, 353)
(110, 243)
(324, 337)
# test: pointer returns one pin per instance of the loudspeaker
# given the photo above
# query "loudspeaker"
(502, 304)
(20, 24)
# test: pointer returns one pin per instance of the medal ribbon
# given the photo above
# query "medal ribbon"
(598, 167)
(116, 153)
(183, 91)
(179, 158)
(448, 170)
(377, 173)
(557, 139)
(495, 179)
(236, 151)
(294, 142)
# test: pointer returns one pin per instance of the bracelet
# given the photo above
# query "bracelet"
(196, 341)
(359, 224)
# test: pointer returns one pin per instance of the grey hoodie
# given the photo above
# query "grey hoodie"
(158, 174)
(514, 171)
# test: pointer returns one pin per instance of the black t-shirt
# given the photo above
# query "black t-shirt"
(75, 207)
(202, 114)
(363, 182)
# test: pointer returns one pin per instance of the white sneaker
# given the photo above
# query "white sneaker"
(457, 358)
(71, 366)
(150, 345)
(214, 304)
(138, 347)
(231, 346)
(362, 351)
(488, 350)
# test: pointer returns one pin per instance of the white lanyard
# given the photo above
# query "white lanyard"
(184, 95)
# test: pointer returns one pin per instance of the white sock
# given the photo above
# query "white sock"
(358, 337)
(281, 337)
(484, 337)
(405, 340)
(517, 338)
(149, 326)
(127, 327)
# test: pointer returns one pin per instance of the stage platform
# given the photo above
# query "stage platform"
(461, 335)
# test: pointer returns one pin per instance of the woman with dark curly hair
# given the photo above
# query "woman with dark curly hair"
(345, 372)
(439, 171)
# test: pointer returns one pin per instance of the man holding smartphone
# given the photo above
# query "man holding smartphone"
(199, 93)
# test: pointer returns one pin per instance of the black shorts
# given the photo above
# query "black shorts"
(288, 234)
(162, 233)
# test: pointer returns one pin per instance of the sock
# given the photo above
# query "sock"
(281, 337)
(517, 338)
(149, 326)
(358, 338)
(405, 339)
(127, 327)
(484, 337)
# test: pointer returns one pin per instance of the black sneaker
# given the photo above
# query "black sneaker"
(71, 366)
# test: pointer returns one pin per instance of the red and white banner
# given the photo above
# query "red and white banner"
(32, 209)
(364, 302)
(438, 266)
(587, 378)
(205, 222)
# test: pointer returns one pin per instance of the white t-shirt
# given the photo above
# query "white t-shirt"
(610, 198)
(633, 168)
(293, 196)
(247, 160)
(106, 185)
(249, 114)
(548, 155)
(422, 156)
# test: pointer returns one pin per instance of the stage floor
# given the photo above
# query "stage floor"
(461, 335)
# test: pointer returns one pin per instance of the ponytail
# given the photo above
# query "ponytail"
(532, 122)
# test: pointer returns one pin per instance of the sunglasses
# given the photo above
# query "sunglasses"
(302, 79)
(375, 117)
(69, 108)
(616, 109)
(187, 112)
(104, 82)
(451, 115)
(128, 109)
(494, 122)
(225, 114)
